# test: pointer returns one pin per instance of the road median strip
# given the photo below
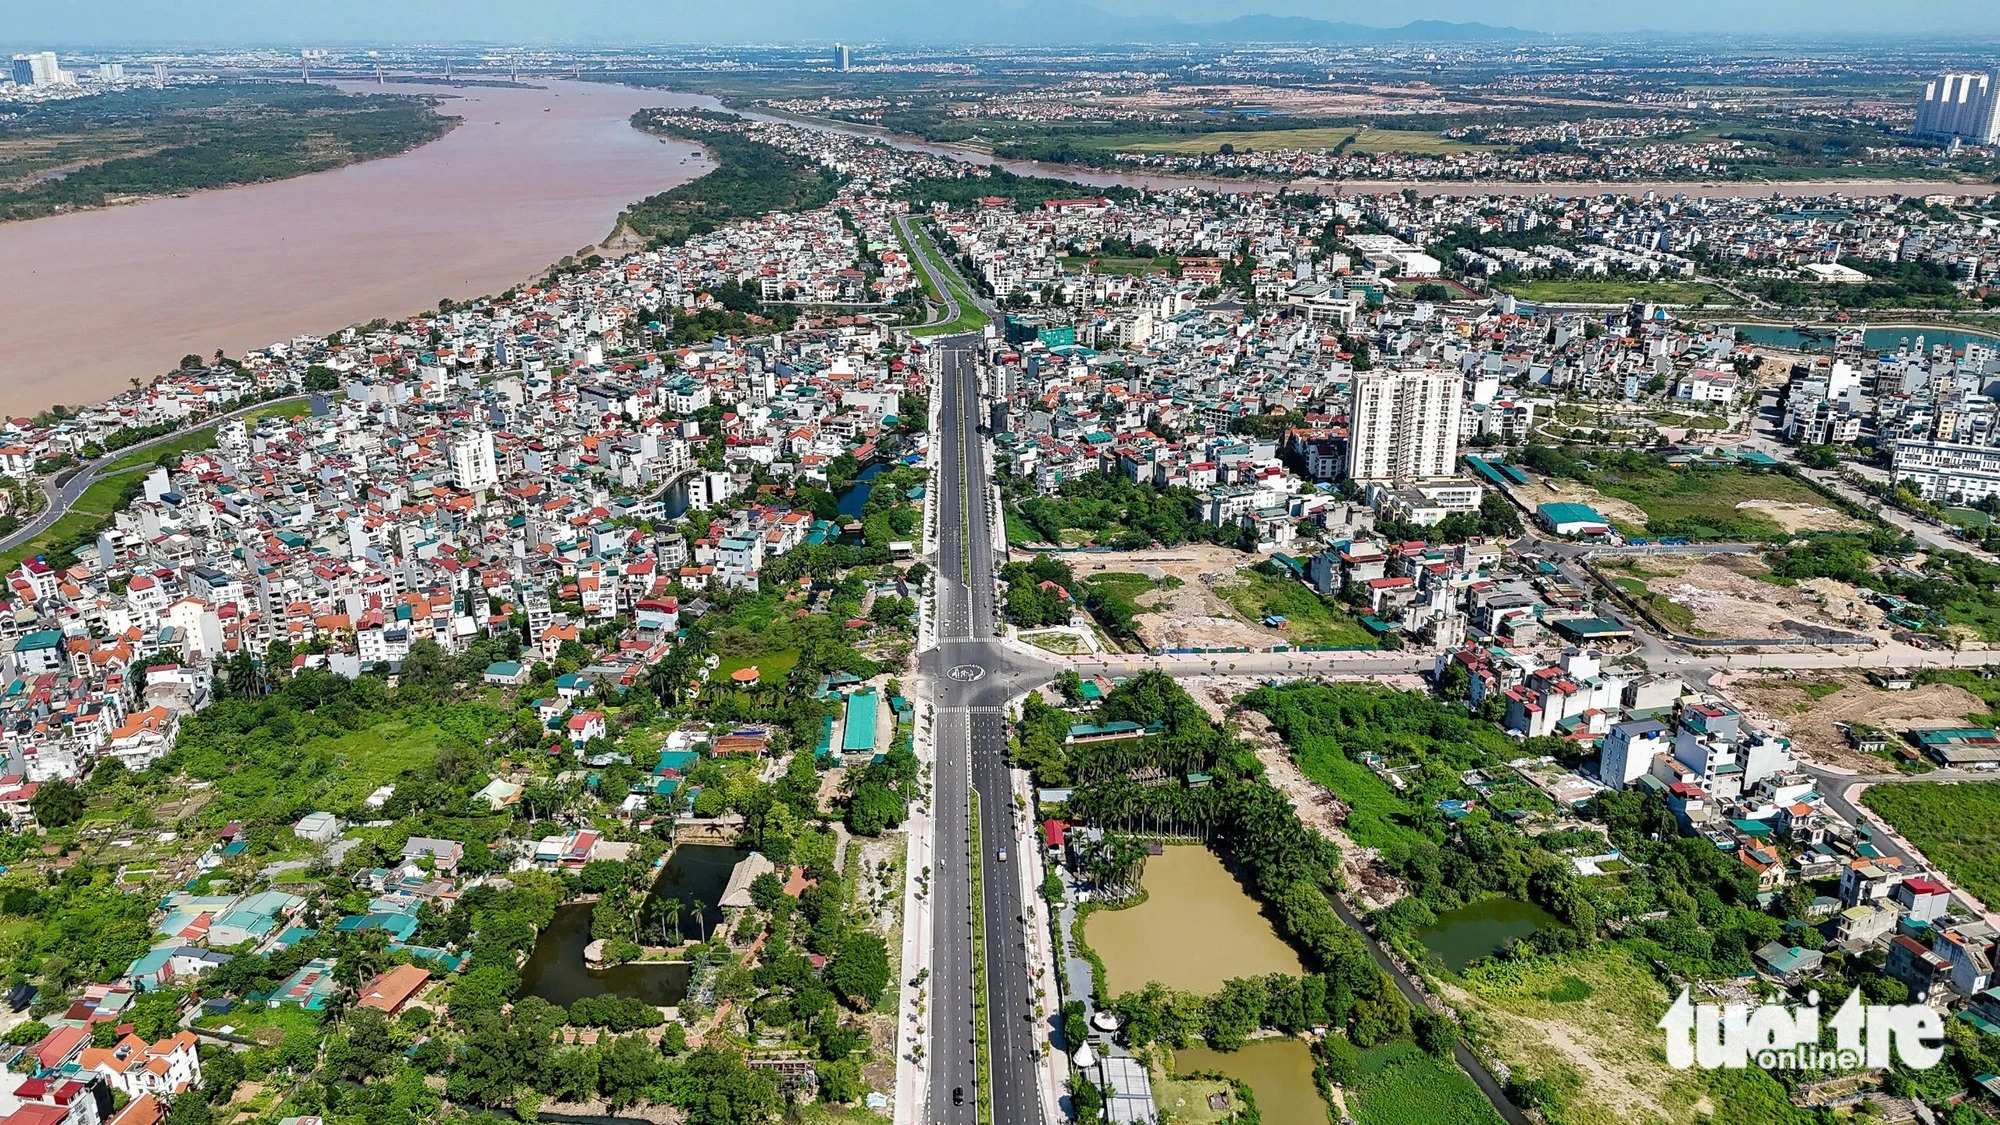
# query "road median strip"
(982, 1070)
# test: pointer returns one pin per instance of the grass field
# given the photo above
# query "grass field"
(1673, 420)
(1378, 818)
(1313, 139)
(1414, 143)
(92, 513)
(1584, 1023)
(375, 756)
(1957, 827)
(1577, 291)
(1310, 619)
(1670, 611)
(1067, 644)
(1018, 531)
(970, 319)
(271, 1026)
(281, 410)
(1186, 1099)
(1401, 1085)
(923, 278)
(203, 438)
(1703, 502)
(771, 666)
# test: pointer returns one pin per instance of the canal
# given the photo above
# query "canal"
(1876, 340)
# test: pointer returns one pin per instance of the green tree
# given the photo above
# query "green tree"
(57, 804)
(625, 1067)
(859, 970)
(713, 1086)
(189, 1107)
(221, 1074)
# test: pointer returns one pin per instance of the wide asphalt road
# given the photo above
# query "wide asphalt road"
(63, 497)
(974, 678)
(915, 239)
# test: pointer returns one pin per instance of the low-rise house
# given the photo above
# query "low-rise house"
(584, 727)
(1859, 927)
(444, 854)
(1787, 964)
(1920, 970)
(136, 1067)
(162, 965)
(310, 987)
(318, 827)
(144, 738)
(390, 990)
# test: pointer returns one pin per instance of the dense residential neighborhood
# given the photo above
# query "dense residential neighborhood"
(562, 702)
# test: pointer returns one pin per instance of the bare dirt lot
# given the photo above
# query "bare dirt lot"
(1787, 707)
(1727, 600)
(1189, 615)
(1571, 492)
(1803, 517)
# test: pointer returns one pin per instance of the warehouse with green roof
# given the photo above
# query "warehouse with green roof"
(859, 737)
(1572, 519)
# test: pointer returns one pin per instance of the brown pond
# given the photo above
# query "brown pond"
(91, 300)
(1197, 928)
(1278, 1071)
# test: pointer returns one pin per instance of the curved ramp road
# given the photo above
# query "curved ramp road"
(61, 498)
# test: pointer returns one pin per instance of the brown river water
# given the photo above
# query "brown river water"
(91, 300)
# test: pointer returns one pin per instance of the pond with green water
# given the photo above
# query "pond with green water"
(1481, 929)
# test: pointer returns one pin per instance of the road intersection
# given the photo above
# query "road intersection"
(975, 677)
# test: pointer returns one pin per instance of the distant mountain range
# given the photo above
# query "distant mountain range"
(1054, 23)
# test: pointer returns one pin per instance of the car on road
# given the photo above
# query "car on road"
(958, 1095)
(1003, 855)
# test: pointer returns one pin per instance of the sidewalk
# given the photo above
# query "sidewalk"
(1054, 1069)
(913, 1072)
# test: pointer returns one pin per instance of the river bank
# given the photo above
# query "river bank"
(464, 216)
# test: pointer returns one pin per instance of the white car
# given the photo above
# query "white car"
(1003, 855)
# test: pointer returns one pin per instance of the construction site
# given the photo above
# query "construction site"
(1724, 595)
(1187, 613)
(1816, 710)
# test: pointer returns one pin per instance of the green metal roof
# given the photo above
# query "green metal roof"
(860, 733)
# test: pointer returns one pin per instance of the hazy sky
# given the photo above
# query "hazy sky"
(26, 23)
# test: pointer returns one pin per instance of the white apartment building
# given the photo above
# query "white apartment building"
(1942, 469)
(40, 69)
(472, 460)
(1404, 425)
(1961, 107)
(1628, 751)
